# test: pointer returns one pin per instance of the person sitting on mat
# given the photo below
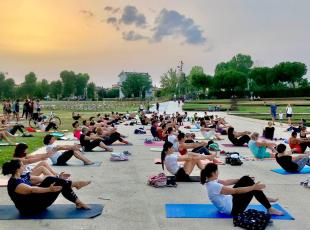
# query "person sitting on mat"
(4, 136)
(304, 132)
(170, 160)
(154, 129)
(197, 147)
(298, 145)
(89, 141)
(209, 133)
(238, 138)
(35, 170)
(288, 163)
(268, 132)
(109, 137)
(76, 130)
(258, 148)
(61, 158)
(12, 129)
(234, 201)
(32, 200)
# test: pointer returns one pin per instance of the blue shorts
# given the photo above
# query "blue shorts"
(274, 114)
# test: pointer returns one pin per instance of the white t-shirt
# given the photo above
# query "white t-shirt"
(280, 116)
(54, 157)
(171, 163)
(289, 110)
(222, 202)
(173, 139)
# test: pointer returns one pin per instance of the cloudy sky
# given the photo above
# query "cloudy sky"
(104, 37)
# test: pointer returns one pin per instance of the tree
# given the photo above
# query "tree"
(262, 77)
(136, 84)
(290, 72)
(112, 93)
(81, 81)
(198, 79)
(230, 80)
(240, 62)
(28, 87)
(9, 86)
(91, 89)
(2, 87)
(42, 89)
(56, 89)
(68, 81)
(169, 82)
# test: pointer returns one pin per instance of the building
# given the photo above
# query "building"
(123, 76)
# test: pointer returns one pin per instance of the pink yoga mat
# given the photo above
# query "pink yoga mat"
(204, 162)
(231, 145)
(154, 144)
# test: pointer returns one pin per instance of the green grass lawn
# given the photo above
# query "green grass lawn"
(34, 143)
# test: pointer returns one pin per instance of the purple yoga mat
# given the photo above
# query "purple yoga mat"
(154, 144)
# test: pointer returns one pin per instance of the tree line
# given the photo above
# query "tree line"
(71, 85)
(238, 77)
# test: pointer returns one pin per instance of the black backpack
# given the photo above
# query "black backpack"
(252, 219)
(233, 161)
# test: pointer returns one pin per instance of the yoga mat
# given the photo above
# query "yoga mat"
(97, 164)
(57, 134)
(200, 138)
(210, 211)
(158, 161)
(3, 182)
(56, 211)
(154, 144)
(193, 179)
(156, 149)
(305, 170)
(194, 130)
(7, 144)
(231, 145)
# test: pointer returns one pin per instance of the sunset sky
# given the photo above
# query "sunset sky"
(103, 37)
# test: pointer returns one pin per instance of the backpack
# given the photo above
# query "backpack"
(118, 157)
(139, 131)
(157, 181)
(252, 219)
(233, 158)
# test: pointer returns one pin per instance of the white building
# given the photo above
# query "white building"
(123, 76)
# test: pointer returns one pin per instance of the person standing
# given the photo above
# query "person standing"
(289, 113)
(273, 112)
(157, 107)
(16, 110)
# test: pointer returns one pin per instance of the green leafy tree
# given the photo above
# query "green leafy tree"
(262, 77)
(91, 90)
(28, 87)
(240, 62)
(42, 89)
(2, 87)
(169, 82)
(198, 79)
(136, 84)
(68, 82)
(81, 81)
(56, 89)
(112, 93)
(290, 72)
(230, 80)
(9, 86)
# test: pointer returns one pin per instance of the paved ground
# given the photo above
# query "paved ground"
(131, 204)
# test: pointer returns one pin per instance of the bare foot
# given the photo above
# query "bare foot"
(272, 200)
(109, 149)
(81, 205)
(80, 184)
(276, 212)
(89, 163)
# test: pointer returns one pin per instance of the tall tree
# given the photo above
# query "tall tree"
(42, 89)
(2, 87)
(91, 91)
(290, 72)
(169, 82)
(56, 89)
(81, 81)
(68, 81)
(29, 85)
(198, 79)
(262, 77)
(230, 80)
(9, 86)
(136, 84)
(240, 62)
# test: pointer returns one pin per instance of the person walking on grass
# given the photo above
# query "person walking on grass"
(273, 112)
(289, 113)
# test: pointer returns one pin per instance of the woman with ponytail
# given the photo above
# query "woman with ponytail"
(234, 201)
(170, 160)
(197, 147)
(30, 199)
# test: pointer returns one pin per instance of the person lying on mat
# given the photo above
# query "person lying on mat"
(209, 133)
(30, 199)
(258, 148)
(288, 163)
(60, 158)
(4, 137)
(89, 141)
(238, 138)
(12, 129)
(170, 160)
(42, 168)
(233, 201)
(268, 132)
(298, 145)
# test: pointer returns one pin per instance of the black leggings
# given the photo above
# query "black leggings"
(242, 140)
(241, 201)
(112, 138)
(38, 202)
(201, 150)
(51, 125)
(92, 145)
(304, 146)
(17, 128)
(62, 160)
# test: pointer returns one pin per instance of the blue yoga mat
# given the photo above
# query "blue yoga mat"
(210, 211)
(305, 170)
(97, 164)
(56, 211)
(57, 134)
(194, 130)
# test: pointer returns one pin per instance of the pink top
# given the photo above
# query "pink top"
(77, 134)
